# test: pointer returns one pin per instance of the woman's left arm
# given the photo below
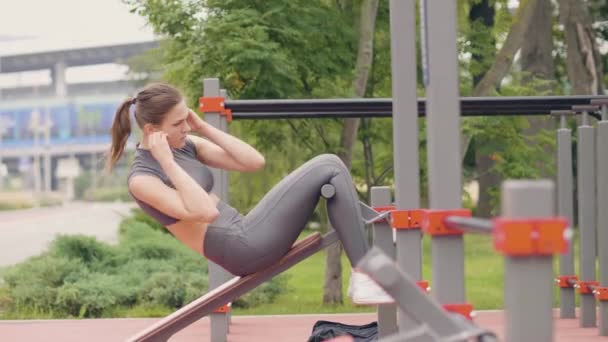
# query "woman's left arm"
(223, 150)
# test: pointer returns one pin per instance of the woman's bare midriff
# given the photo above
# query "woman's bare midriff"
(192, 233)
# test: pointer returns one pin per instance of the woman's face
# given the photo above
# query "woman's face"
(176, 125)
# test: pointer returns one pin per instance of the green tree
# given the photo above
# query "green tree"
(273, 49)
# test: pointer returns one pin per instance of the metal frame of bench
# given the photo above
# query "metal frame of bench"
(435, 324)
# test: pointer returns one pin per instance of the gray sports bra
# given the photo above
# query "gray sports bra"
(145, 163)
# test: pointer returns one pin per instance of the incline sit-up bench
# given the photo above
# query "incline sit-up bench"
(238, 286)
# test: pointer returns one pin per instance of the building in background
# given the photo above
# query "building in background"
(48, 126)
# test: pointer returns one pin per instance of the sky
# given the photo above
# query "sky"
(28, 26)
(42, 25)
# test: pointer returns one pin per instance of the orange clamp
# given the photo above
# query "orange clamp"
(601, 294)
(434, 224)
(407, 219)
(424, 285)
(526, 237)
(465, 310)
(584, 287)
(222, 309)
(215, 104)
(565, 281)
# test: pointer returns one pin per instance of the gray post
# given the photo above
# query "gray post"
(59, 81)
(405, 136)
(47, 153)
(602, 215)
(586, 216)
(225, 186)
(383, 239)
(565, 208)
(224, 174)
(444, 162)
(217, 275)
(528, 279)
(34, 126)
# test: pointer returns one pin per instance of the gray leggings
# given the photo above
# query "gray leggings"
(246, 244)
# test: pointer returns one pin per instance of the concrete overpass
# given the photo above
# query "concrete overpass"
(58, 61)
(74, 57)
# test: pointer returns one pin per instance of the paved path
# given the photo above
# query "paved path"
(24, 233)
(294, 328)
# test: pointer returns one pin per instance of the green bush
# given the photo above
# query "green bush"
(15, 205)
(80, 247)
(25, 200)
(81, 277)
(92, 294)
(108, 194)
(34, 283)
(82, 183)
(141, 216)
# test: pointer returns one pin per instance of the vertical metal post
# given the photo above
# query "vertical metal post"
(383, 239)
(586, 216)
(217, 275)
(528, 279)
(34, 126)
(444, 162)
(225, 186)
(405, 136)
(47, 147)
(565, 208)
(602, 215)
(224, 174)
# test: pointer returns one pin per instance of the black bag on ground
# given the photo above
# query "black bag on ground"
(326, 330)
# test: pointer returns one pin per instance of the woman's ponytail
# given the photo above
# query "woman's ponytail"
(121, 129)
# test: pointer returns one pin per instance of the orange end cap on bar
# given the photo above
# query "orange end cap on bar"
(465, 309)
(434, 221)
(214, 104)
(222, 309)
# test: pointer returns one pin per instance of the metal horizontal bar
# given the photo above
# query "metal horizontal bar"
(469, 224)
(375, 107)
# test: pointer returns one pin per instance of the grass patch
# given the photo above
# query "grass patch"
(484, 281)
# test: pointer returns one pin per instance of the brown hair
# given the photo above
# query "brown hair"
(151, 105)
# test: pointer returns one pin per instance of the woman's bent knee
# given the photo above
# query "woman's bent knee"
(332, 158)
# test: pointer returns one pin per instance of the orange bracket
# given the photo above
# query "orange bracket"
(222, 309)
(424, 285)
(565, 281)
(584, 287)
(601, 294)
(465, 310)
(214, 104)
(526, 237)
(434, 221)
(407, 219)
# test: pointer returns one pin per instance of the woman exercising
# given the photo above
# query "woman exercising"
(170, 179)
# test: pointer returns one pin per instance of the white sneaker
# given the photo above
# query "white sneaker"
(365, 291)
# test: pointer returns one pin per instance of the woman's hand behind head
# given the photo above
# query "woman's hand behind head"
(159, 146)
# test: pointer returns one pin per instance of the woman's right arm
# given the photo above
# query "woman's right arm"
(188, 201)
